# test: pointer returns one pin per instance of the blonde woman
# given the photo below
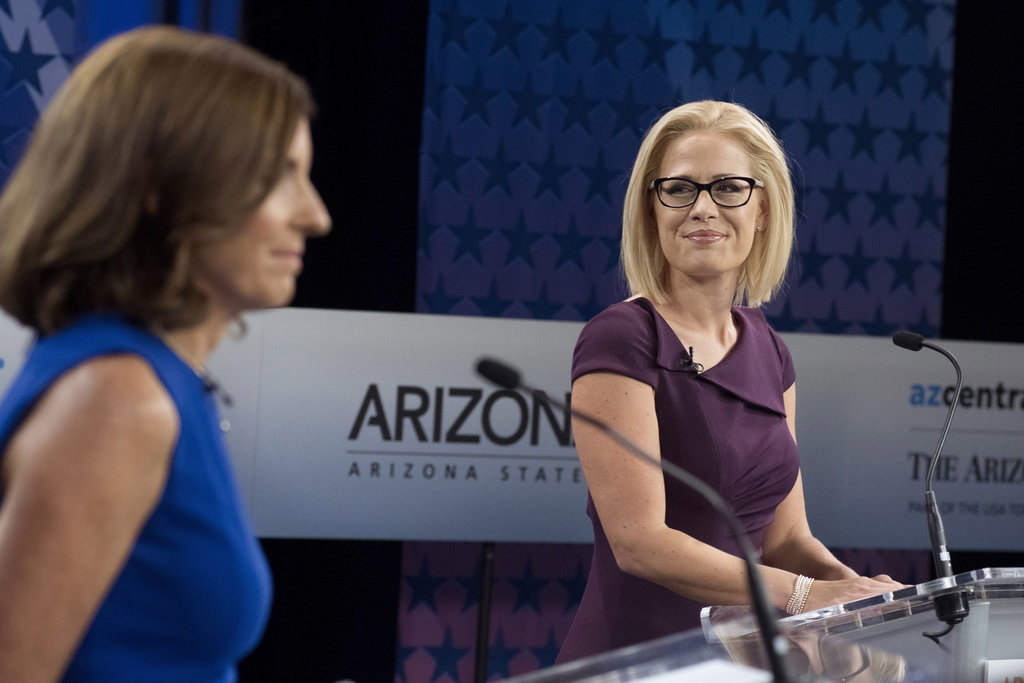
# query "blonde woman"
(689, 369)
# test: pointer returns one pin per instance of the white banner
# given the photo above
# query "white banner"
(374, 425)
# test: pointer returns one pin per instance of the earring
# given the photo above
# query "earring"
(760, 228)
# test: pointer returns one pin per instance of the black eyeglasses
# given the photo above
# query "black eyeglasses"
(678, 193)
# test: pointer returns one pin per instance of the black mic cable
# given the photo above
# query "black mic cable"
(951, 608)
(774, 644)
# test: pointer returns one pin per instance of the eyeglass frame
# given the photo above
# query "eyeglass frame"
(705, 187)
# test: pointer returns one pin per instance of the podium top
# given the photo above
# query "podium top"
(720, 622)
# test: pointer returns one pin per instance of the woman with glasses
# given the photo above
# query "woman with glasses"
(689, 369)
(165, 192)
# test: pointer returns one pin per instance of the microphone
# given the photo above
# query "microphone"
(775, 645)
(952, 608)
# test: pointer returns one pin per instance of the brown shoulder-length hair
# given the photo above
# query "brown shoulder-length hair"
(160, 141)
(764, 271)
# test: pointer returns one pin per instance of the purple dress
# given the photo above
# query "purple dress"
(727, 426)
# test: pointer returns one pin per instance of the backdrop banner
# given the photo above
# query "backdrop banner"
(361, 425)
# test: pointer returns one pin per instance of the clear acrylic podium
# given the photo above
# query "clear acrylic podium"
(688, 657)
(733, 653)
(989, 641)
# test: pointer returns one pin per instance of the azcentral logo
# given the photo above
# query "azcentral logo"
(460, 415)
(984, 398)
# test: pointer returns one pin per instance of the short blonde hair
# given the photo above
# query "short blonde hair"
(764, 271)
(160, 141)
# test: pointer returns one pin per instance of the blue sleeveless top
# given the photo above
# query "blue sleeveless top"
(194, 596)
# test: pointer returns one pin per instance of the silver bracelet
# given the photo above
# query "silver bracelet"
(800, 592)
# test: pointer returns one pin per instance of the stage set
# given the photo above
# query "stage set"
(423, 524)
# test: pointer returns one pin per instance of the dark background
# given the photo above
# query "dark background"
(335, 609)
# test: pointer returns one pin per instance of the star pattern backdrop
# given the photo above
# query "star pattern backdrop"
(534, 110)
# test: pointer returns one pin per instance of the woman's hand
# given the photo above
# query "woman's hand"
(829, 593)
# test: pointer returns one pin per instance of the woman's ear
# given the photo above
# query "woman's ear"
(762, 217)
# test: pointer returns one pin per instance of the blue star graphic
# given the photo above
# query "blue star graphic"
(424, 585)
(25, 65)
(846, 68)
(799, 63)
(528, 588)
(51, 5)
(477, 97)
(629, 114)
(936, 79)
(471, 584)
(884, 201)
(520, 242)
(904, 267)
(864, 136)
(551, 173)
(879, 326)
(917, 15)
(891, 72)
(571, 244)
(930, 206)
(470, 235)
(608, 41)
(578, 108)
(498, 168)
(924, 325)
(592, 308)
(780, 6)
(704, 53)
(752, 58)
(825, 8)
(858, 265)
(818, 132)
(528, 103)
(546, 655)
(656, 47)
(601, 177)
(785, 321)
(774, 119)
(490, 305)
(446, 658)
(401, 657)
(910, 140)
(839, 199)
(556, 37)
(811, 262)
(455, 24)
(438, 301)
(447, 164)
(541, 308)
(871, 11)
(499, 656)
(833, 324)
(574, 587)
(506, 32)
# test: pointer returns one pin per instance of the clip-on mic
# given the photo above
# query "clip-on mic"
(775, 646)
(951, 608)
